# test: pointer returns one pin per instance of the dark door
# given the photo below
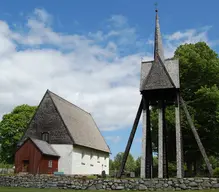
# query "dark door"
(25, 166)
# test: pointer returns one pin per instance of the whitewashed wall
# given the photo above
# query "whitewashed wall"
(89, 163)
(72, 162)
(65, 160)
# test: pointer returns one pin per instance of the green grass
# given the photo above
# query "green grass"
(3, 189)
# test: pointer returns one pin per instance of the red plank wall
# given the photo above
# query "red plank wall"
(38, 163)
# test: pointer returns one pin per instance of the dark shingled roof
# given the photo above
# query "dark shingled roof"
(158, 77)
(171, 65)
(80, 124)
(44, 147)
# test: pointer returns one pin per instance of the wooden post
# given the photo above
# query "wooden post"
(162, 143)
(144, 139)
(131, 137)
(179, 148)
(165, 158)
(201, 148)
(160, 140)
(148, 162)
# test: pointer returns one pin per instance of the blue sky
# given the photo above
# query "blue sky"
(89, 52)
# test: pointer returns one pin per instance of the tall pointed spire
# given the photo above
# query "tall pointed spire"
(158, 76)
(158, 46)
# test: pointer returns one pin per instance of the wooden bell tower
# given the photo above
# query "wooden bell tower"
(160, 87)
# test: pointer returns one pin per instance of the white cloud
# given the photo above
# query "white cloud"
(119, 30)
(172, 41)
(114, 139)
(118, 21)
(84, 75)
(91, 75)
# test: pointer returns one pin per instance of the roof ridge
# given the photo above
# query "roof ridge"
(68, 101)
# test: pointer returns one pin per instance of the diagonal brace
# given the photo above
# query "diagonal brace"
(131, 137)
(201, 148)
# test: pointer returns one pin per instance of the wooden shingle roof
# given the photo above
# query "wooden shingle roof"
(80, 124)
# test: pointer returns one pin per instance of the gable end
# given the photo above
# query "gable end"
(47, 119)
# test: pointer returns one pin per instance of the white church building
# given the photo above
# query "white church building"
(61, 128)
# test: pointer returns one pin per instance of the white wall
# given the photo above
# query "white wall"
(88, 165)
(65, 161)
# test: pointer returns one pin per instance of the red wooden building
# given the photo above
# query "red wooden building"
(36, 157)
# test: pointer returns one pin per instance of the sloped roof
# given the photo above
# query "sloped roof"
(158, 77)
(44, 147)
(171, 65)
(80, 124)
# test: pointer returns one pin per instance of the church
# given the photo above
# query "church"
(61, 137)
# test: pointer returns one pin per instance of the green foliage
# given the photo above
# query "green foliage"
(138, 166)
(214, 161)
(199, 66)
(172, 169)
(130, 163)
(216, 172)
(7, 166)
(12, 128)
(199, 76)
(199, 79)
(111, 164)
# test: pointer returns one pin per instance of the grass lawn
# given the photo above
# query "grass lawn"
(3, 189)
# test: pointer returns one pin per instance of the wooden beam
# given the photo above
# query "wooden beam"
(179, 144)
(165, 157)
(131, 137)
(149, 157)
(201, 148)
(160, 140)
(144, 149)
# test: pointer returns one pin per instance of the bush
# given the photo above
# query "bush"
(5, 166)
(216, 172)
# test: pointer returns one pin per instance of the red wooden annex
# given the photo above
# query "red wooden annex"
(36, 157)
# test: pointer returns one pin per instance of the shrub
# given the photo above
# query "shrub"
(216, 172)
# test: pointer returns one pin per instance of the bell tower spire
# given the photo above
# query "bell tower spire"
(158, 46)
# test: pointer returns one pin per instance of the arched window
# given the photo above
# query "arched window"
(45, 136)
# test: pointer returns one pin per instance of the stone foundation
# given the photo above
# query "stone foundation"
(68, 182)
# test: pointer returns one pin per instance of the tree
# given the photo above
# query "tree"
(111, 165)
(199, 79)
(138, 166)
(12, 128)
(199, 66)
(199, 76)
(130, 163)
